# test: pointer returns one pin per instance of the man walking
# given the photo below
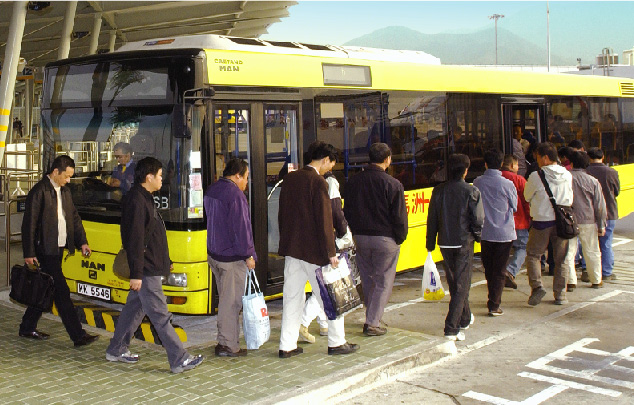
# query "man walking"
(377, 215)
(51, 223)
(543, 229)
(499, 198)
(231, 250)
(590, 214)
(611, 187)
(307, 241)
(145, 240)
(456, 216)
(522, 221)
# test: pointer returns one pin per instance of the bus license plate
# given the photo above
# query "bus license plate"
(92, 291)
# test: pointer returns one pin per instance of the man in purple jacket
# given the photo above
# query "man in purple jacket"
(231, 250)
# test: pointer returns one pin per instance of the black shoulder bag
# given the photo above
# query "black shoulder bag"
(564, 218)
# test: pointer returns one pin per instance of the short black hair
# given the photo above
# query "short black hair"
(509, 160)
(577, 144)
(547, 149)
(124, 147)
(595, 153)
(565, 151)
(379, 152)
(145, 166)
(235, 166)
(61, 163)
(493, 158)
(319, 150)
(579, 160)
(457, 164)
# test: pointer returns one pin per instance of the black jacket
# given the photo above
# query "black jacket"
(455, 215)
(138, 217)
(374, 204)
(39, 226)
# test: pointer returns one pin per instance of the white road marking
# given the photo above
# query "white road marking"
(621, 241)
(538, 398)
(571, 384)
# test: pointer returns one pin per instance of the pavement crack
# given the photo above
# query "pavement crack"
(453, 398)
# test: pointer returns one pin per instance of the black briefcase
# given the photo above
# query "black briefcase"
(32, 287)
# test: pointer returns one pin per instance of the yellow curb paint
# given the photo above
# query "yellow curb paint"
(147, 332)
(90, 317)
(182, 335)
(108, 320)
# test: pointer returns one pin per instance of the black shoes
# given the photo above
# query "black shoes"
(225, 351)
(585, 277)
(510, 281)
(345, 348)
(597, 286)
(286, 354)
(536, 296)
(86, 340)
(373, 330)
(36, 334)
(571, 287)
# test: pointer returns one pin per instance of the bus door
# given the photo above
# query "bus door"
(523, 119)
(266, 136)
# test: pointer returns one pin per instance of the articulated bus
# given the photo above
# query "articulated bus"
(195, 102)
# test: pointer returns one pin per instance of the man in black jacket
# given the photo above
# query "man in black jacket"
(145, 241)
(374, 205)
(456, 216)
(50, 224)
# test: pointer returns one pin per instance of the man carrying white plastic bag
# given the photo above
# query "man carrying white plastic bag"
(255, 316)
(432, 286)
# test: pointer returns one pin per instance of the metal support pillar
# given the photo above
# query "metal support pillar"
(69, 22)
(94, 35)
(10, 69)
(113, 40)
(28, 107)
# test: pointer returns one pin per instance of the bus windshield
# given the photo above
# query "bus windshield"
(109, 115)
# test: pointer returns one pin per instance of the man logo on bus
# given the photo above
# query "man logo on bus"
(87, 264)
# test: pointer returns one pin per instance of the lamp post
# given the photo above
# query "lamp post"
(496, 17)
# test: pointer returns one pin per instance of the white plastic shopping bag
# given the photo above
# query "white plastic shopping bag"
(432, 286)
(255, 316)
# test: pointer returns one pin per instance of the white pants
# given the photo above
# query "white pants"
(296, 274)
(312, 310)
(589, 237)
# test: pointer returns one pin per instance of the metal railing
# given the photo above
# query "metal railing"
(16, 183)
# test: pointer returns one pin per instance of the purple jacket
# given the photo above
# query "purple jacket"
(229, 232)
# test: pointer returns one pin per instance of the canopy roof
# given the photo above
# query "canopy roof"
(137, 21)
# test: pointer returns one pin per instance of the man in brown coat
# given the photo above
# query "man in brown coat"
(308, 242)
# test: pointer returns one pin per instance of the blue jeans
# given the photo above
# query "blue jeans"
(519, 252)
(605, 244)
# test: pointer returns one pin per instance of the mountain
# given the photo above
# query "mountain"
(476, 48)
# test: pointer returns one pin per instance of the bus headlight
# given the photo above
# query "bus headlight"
(176, 279)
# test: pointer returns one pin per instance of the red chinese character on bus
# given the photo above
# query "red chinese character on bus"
(419, 201)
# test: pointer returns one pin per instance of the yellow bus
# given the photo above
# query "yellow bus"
(194, 102)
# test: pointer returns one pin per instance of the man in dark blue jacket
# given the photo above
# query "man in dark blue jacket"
(374, 205)
(231, 250)
(145, 240)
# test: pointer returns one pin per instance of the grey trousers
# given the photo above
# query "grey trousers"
(230, 278)
(376, 257)
(537, 244)
(148, 300)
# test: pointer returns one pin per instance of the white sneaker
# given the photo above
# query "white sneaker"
(188, 364)
(470, 322)
(457, 337)
(126, 357)
(306, 336)
(323, 331)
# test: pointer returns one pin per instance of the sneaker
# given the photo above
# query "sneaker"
(561, 301)
(597, 286)
(585, 277)
(510, 281)
(571, 287)
(470, 322)
(457, 337)
(188, 364)
(536, 296)
(496, 312)
(345, 348)
(126, 357)
(305, 335)
(323, 331)
(373, 330)
(285, 354)
(611, 277)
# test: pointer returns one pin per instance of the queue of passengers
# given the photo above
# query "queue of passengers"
(501, 210)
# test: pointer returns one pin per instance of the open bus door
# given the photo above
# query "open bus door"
(527, 113)
(266, 136)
